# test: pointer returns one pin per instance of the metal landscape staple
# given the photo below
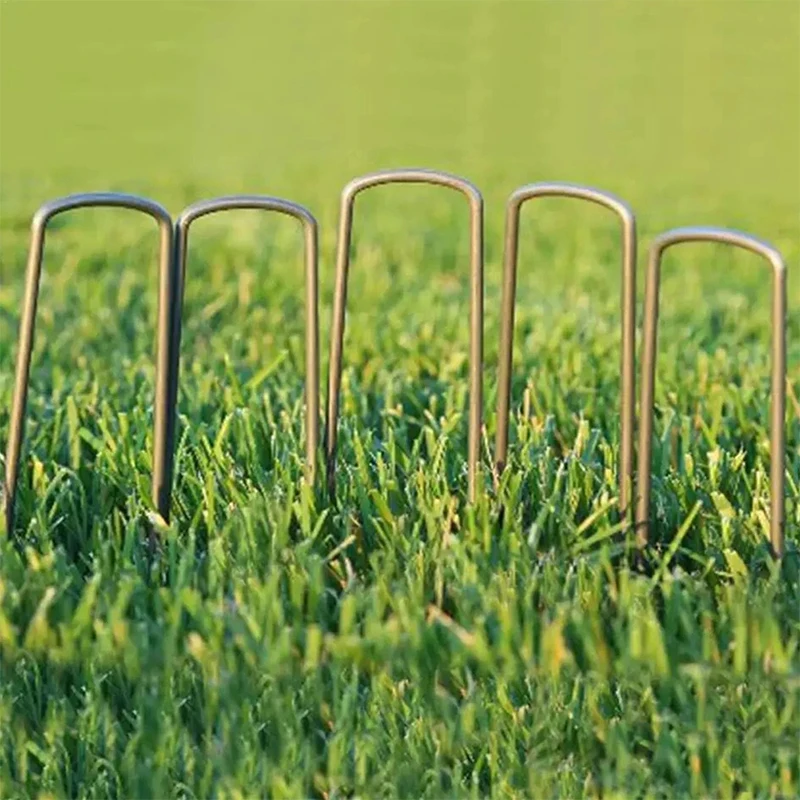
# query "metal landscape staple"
(777, 434)
(628, 306)
(162, 445)
(310, 228)
(349, 193)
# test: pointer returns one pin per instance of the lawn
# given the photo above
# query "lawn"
(401, 643)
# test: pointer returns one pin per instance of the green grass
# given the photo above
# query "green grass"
(403, 643)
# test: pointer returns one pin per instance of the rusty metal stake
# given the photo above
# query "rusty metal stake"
(162, 444)
(349, 193)
(309, 223)
(777, 434)
(628, 305)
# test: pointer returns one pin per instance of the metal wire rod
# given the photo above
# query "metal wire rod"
(166, 286)
(778, 400)
(349, 193)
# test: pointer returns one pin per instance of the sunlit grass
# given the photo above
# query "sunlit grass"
(400, 642)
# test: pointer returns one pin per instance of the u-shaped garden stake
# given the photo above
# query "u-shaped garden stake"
(162, 445)
(777, 434)
(628, 304)
(309, 223)
(349, 193)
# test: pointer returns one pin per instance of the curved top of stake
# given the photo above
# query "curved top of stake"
(727, 236)
(244, 201)
(413, 175)
(559, 189)
(99, 200)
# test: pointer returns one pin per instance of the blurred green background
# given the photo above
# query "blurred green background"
(689, 110)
